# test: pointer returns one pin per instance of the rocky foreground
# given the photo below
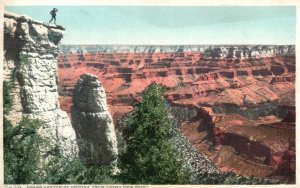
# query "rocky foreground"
(235, 104)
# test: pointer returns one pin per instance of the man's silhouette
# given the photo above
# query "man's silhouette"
(53, 14)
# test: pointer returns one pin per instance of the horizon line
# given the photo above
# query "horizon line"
(179, 44)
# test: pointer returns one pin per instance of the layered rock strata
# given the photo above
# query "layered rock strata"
(198, 165)
(224, 78)
(93, 123)
(216, 92)
(31, 49)
(263, 147)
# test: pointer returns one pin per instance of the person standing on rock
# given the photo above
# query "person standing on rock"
(53, 14)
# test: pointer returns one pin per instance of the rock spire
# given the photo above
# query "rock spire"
(93, 123)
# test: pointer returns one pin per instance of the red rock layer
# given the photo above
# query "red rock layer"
(239, 102)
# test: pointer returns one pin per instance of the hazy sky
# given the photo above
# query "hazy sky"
(170, 25)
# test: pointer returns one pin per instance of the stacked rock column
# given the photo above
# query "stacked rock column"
(93, 123)
(31, 50)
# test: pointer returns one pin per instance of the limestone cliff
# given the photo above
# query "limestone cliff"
(31, 49)
(93, 123)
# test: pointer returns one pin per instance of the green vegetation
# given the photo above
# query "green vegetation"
(23, 160)
(13, 74)
(148, 156)
(24, 60)
(72, 171)
(120, 141)
(233, 85)
(21, 152)
(7, 98)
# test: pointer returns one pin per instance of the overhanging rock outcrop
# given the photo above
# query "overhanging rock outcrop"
(93, 122)
(31, 49)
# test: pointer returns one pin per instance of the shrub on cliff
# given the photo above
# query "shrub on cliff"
(21, 152)
(149, 157)
(23, 157)
(72, 171)
(7, 98)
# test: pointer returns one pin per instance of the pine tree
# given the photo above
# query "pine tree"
(149, 157)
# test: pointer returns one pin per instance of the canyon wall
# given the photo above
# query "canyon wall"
(215, 93)
(31, 49)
